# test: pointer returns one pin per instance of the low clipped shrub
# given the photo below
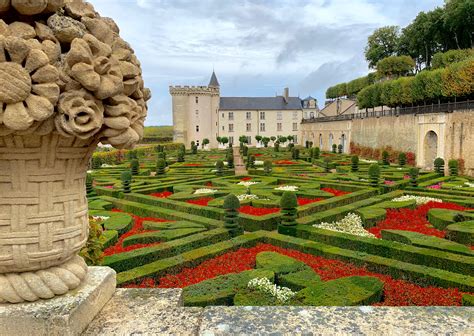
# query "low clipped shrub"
(276, 146)
(439, 166)
(219, 168)
(414, 172)
(135, 167)
(126, 178)
(160, 166)
(402, 159)
(339, 149)
(230, 161)
(194, 149)
(316, 153)
(327, 165)
(295, 154)
(453, 166)
(385, 158)
(96, 162)
(354, 163)
(334, 148)
(89, 185)
(267, 167)
(180, 157)
(374, 174)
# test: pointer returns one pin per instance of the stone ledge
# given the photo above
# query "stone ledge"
(64, 315)
(146, 312)
(337, 320)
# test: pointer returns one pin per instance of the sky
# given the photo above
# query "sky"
(256, 47)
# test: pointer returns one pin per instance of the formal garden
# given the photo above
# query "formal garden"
(301, 227)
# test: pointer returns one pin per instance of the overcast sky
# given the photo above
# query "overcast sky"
(257, 47)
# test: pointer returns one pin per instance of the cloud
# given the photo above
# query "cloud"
(257, 47)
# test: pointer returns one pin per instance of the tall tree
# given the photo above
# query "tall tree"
(382, 43)
(459, 21)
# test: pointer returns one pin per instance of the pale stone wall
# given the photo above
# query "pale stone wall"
(324, 135)
(445, 135)
(398, 132)
(459, 141)
(240, 121)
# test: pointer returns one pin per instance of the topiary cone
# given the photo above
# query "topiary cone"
(231, 206)
(288, 204)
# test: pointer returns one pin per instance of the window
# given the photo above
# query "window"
(248, 115)
(249, 140)
(231, 115)
(262, 127)
(197, 100)
(311, 115)
(197, 128)
(262, 115)
(222, 115)
(223, 128)
(295, 114)
(279, 127)
(295, 139)
(231, 140)
(249, 127)
(279, 115)
(197, 113)
(295, 126)
(231, 127)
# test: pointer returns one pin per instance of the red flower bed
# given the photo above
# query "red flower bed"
(208, 184)
(285, 162)
(304, 200)
(396, 292)
(335, 192)
(192, 165)
(203, 201)
(413, 220)
(163, 194)
(246, 178)
(253, 211)
(137, 228)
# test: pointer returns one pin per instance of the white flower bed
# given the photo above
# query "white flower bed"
(105, 165)
(205, 191)
(100, 218)
(264, 285)
(245, 197)
(369, 161)
(247, 183)
(259, 163)
(419, 200)
(287, 188)
(469, 184)
(351, 224)
(224, 162)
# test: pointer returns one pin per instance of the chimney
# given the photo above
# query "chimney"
(286, 94)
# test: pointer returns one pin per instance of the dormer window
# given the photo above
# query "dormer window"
(197, 100)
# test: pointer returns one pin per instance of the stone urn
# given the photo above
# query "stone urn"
(67, 82)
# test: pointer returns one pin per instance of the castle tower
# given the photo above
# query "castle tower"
(195, 113)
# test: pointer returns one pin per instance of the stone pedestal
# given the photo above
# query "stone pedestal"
(65, 315)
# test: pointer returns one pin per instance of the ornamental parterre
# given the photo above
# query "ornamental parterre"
(337, 231)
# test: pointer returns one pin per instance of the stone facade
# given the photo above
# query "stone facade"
(199, 112)
(431, 135)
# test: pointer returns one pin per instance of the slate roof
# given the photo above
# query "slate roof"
(260, 103)
(309, 98)
(214, 82)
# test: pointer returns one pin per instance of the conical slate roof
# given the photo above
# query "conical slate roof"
(214, 82)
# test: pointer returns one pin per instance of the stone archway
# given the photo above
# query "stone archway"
(430, 147)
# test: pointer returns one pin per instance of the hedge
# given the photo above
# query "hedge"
(421, 240)
(462, 232)
(397, 251)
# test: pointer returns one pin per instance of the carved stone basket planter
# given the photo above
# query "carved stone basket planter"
(43, 215)
(67, 82)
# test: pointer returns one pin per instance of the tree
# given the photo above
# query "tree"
(273, 138)
(453, 166)
(439, 166)
(205, 142)
(126, 178)
(219, 168)
(134, 167)
(290, 138)
(354, 163)
(258, 138)
(282, 139)
(458, 19)
(224, 140)
(219, 140)
(385, 158)
(382, 43)
(374, 174)
(414, 172)
(402, 159)
(395, 66)
(230, 161)
(265, 141)
(267, 167)
(160, 166)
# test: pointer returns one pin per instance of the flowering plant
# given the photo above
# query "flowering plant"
(287, 188)
(435, 186)
(244, 197)
(469, 184)
(247, 183)
(418, 199)
(204, 191)
(351, 224)
(264, 285)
